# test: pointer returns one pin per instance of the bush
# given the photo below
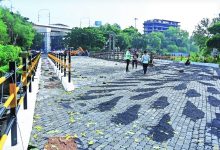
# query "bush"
(8, 53)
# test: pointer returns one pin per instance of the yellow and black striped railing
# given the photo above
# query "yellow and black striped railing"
(60, 61)
(13, 102)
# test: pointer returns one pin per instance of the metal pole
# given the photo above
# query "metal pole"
(65, 65)
(69, 75)
(24, 76)
(13, 104)
(29, 76)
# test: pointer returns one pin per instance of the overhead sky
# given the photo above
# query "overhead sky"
(76, 12)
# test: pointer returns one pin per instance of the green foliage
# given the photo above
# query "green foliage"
(19, 30)
(37, 41)
(8, 53)
(214, 41)
(87, 38)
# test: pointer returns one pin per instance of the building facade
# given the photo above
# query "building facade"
(158, 25)
(53, 35)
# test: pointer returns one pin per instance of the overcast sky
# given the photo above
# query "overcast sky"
(123, 12)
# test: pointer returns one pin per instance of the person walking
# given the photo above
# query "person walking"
(127, 58)
(145, 60)
(134, 60)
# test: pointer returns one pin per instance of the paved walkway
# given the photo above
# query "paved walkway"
(167, 109)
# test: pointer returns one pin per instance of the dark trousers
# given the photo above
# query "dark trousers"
(127, 61)
(145, 68)
(134, 62)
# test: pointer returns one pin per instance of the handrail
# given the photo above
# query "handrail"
(60, 62)
(12, 101)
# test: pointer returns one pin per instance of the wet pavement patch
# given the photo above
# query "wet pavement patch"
(191, 111)
(213, 101)
(180, 87)
(163, 131)
(207, 84)
(213, 90)
(127, 117)
(90, 97)
(143, 96)
(215, 126)
(107, 106)
(160, 103)
(145, 89)
(192, 93)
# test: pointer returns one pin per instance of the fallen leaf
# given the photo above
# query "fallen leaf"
(90, 142)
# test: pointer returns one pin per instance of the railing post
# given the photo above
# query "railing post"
(57, 64)
(30, 73)
(24, 76)
(69, 73)
(61, 60)
(65, 65)
(13, 104)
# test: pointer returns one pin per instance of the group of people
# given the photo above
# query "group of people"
(144, 59)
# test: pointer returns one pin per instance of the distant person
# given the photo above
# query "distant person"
(187, 63)
(145, 60)
(134, 60)
(127, 58)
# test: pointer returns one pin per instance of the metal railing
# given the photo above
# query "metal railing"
(61, 62)
(17, 94)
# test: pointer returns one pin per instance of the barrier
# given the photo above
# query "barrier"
(60, 62)
(14, 101)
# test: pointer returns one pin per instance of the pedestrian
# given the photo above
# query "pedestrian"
(145, 60)
(127, 58)
(134, 60)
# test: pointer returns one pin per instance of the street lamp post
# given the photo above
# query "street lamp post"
(135, 20)
(44, 10)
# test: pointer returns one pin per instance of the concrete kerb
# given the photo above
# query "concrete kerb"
(25, 117)
(67, 86)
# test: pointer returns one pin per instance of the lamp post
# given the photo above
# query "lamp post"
(135, 20)
(82, 19)
(44, 10)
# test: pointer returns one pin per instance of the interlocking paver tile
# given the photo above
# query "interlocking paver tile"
(173, 107)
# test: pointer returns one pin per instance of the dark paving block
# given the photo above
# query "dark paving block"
(180, 87)
(146, 89)
(207, 84)
(213, 90)
(143, 96)
(107, 106)
(163, 131)
(127, 117)
(191, 111)
(213, 101)
(192, 93)
(161, 103)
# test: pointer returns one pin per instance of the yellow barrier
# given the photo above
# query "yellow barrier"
(12, 99)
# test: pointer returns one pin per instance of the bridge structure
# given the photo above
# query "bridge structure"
(172, 107)
(53, 35)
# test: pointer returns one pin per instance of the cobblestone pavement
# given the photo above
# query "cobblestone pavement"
(172, 107)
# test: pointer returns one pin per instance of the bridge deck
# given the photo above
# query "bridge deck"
(167, 108)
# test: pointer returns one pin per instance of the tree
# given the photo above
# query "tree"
(88, 38)
(4, 39)
(19, 30)
(38, 41)
(214, 40)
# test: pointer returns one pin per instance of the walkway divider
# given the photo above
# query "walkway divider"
(61, 67)
(14, 101)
